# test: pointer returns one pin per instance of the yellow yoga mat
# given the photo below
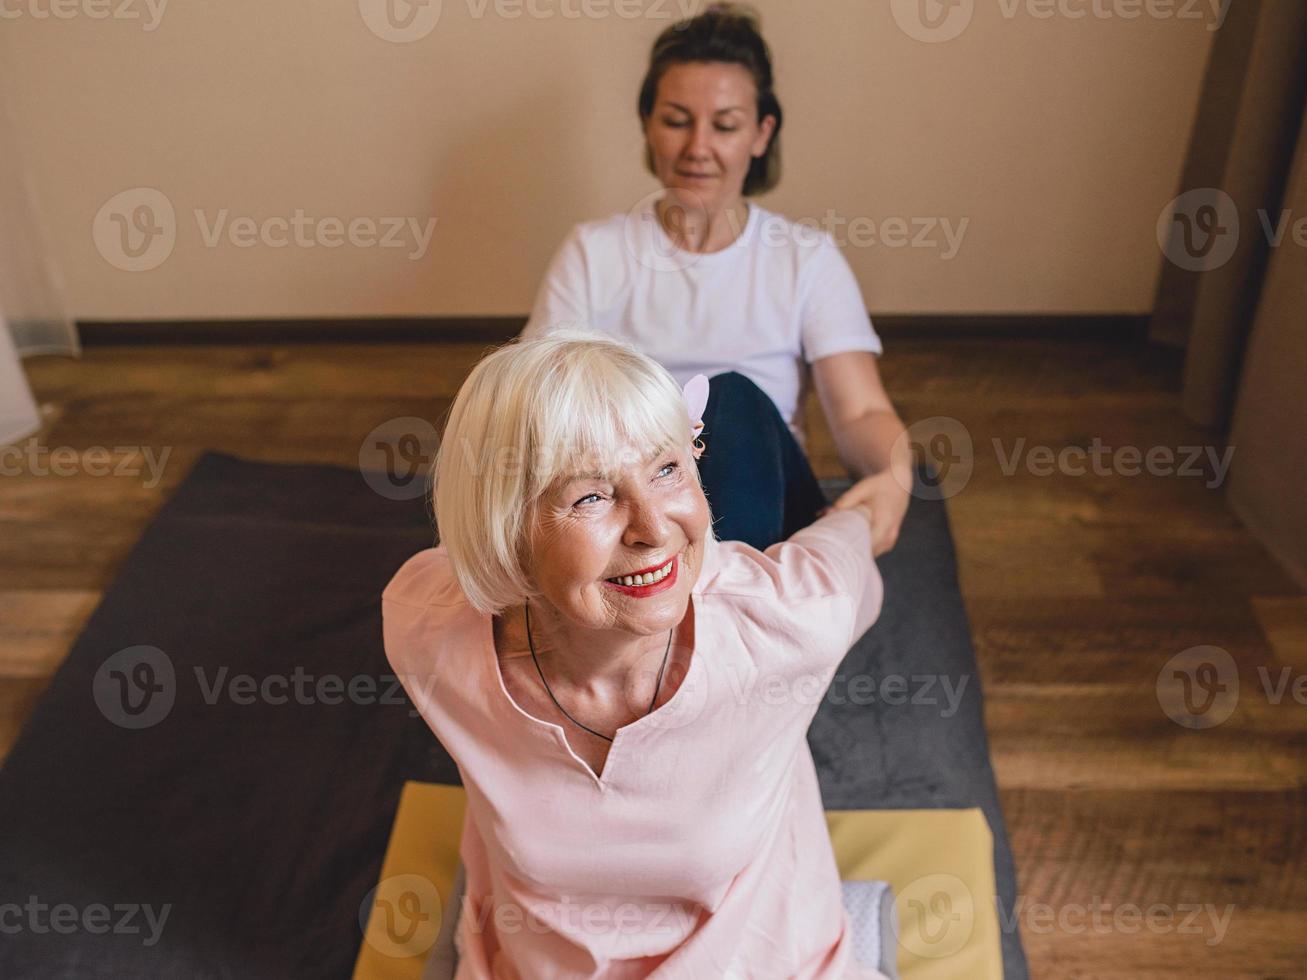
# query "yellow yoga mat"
(939, 862)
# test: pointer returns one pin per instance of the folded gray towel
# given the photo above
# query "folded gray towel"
(870, 905)
(442, 963)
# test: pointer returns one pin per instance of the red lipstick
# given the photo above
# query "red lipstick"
(641, 591)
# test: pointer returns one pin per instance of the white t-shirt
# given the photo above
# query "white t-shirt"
(773, 301)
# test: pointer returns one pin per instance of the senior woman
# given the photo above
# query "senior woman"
(705, 281)
(626, 696)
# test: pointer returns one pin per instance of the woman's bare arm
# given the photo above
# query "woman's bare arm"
(870, 439)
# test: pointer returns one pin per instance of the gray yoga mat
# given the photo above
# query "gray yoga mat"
(159, 819)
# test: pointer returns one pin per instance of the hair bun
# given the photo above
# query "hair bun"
(734, 10)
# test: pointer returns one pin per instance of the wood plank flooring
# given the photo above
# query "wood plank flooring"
(1145, 849)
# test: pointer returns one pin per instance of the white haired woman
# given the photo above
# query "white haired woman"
(626, 697)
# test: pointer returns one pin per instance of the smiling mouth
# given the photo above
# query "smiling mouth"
(649, 577)
(696, 176)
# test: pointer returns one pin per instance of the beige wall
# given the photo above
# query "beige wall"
(1057, 140)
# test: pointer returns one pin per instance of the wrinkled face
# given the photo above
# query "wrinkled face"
(590, 532)
(704, 132)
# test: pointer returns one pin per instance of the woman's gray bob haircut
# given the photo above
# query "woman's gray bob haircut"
(530, 415)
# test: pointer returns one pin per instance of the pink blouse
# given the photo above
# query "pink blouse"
(702, 851)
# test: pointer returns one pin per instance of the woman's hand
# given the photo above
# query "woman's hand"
(883, 495)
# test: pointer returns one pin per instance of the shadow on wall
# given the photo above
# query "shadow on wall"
(554, 191)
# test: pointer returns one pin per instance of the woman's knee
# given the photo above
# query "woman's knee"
(734, 391)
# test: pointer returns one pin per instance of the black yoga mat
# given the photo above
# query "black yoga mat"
(206, 788)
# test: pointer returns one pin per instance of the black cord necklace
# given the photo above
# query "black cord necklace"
(531, 643)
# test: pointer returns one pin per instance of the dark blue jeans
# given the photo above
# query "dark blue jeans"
(759, 483)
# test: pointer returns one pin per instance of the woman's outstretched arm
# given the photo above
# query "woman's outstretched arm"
(869, 437)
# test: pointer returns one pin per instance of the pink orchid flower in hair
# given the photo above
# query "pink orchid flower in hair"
(695, 394)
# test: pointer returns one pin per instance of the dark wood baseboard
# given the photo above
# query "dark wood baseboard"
(499, 329)
(295, 330)
(1047, 326)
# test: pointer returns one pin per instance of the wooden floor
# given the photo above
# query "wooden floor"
(1135, 837)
